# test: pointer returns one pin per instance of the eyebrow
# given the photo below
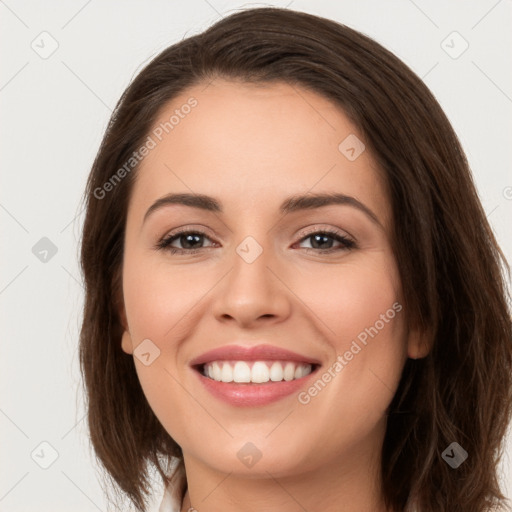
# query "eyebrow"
(291, 204)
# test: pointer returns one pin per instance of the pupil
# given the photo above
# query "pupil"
(189, 238)
(325, 238)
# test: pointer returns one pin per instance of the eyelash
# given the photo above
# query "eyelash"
(347, 243)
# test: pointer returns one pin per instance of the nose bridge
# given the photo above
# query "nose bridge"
(254, 253)
(250, 273)
(251, 289)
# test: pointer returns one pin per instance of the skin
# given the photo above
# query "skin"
(251, 147)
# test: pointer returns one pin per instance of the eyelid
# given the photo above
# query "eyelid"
(187, 228)
(325, 229)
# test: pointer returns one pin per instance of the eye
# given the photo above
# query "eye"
(190, 241)
(323, 238)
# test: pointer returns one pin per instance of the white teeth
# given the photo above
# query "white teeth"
(216, 371)
(227, 373)
(289, 371)
(276, 372)
(257, 372)
(260, 372)
(241, 372)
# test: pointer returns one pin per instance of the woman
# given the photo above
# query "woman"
(293, 297)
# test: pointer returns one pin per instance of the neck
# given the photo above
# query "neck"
(347, 483)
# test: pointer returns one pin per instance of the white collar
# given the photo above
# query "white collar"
(174, 492)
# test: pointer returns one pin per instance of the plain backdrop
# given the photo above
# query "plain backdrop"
(63, 67)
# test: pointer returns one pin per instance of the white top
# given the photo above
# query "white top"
(173, 494)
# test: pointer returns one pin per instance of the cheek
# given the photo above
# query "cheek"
(159, 298)
(362, 318)
(163, 303)
(156, 306)
(350, 298)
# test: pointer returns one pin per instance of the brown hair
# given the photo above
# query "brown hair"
(450, 265)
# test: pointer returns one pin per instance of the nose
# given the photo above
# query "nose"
(253, 293)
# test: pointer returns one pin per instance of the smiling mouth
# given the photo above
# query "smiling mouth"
(255, 372)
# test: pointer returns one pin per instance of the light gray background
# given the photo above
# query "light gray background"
(54, 111)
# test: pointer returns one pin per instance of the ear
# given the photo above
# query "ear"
(117, 293)
(126, 340)
(126, 343)
(419, 343)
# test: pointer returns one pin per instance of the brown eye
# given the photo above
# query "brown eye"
(190, 242)
(322, 241)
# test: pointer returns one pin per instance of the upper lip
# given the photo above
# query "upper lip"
(252, 353)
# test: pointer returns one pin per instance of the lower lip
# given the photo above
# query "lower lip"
(252, 395)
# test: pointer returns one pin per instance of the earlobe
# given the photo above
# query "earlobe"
(419, 344)
(126, 340)
(126, 343)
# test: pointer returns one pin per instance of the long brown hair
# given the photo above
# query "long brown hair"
(451, 268)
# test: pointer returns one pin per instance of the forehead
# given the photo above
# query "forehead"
(254, 144)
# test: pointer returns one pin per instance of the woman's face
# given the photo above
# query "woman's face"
(259, 275)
